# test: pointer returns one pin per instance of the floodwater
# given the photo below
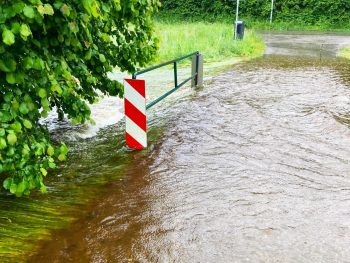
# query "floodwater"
(254, 167)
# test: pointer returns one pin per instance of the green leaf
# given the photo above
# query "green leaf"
(95, 11)
(63, 149)
(88, 5)
(50, 151)
(44, 114)
(131, 27)
(15, 105)
(43, 171)
(13, 188)
(18, 7)
(27, 124)
(43, 188)
(31, 106)
(106, 8)
(16, 126)
(8, 65)
(8, 97)
(28, 63)
(10, 151)
(45, 103)
(42, 93)
(49, 10)
(45, 9)
(20, 189)
(23, 108)
(65, 10)
(3, 144)
(5, 116)
(15, 77)
(11, 139)
(2, 132)
(35, 2)
(25, 152)
(88, 55)
(38, 64)
(7, 183)
(102, 58)
(61, 157)
(25, 31)
(8, 37)
(29, 12)
(58, 4)
(56, 88)
(60, 38)
(10, 78)
(15, 27)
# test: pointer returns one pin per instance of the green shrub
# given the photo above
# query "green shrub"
(310, 12)
(56, 54)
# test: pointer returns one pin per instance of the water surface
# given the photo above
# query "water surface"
(254, 167)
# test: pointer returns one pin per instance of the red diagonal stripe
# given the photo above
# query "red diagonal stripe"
(132, 143)
(135, 115)
(138, 85)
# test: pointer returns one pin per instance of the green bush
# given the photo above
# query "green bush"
(309, 12)
(55, 54)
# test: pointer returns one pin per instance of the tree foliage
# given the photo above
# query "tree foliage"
(311, 12)
(55, 54)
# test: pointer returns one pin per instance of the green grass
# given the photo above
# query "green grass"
(345, 52)
(25, 223)
(213, 40)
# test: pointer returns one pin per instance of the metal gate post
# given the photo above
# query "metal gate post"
(197, 70)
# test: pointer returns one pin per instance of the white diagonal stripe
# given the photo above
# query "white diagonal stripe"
(134, 97)
(136, 132)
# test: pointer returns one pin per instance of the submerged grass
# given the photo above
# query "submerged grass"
(26, 222)
(345, 52)
(213, 40)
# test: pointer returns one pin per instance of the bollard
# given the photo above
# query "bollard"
(197, 67)
(135, 113)
(239, 30)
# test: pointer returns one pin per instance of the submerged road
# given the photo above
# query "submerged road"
(255, 167)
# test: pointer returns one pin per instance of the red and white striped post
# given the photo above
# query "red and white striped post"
(135, 113)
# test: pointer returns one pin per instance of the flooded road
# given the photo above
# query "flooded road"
(254, 167)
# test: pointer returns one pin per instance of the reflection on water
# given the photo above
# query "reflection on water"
(255, 167)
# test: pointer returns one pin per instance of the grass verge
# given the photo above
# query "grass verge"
(214, 40)
(297, 26)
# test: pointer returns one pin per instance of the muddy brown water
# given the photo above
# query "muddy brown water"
(254, 167)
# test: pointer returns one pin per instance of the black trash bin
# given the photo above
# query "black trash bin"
(239, 27)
